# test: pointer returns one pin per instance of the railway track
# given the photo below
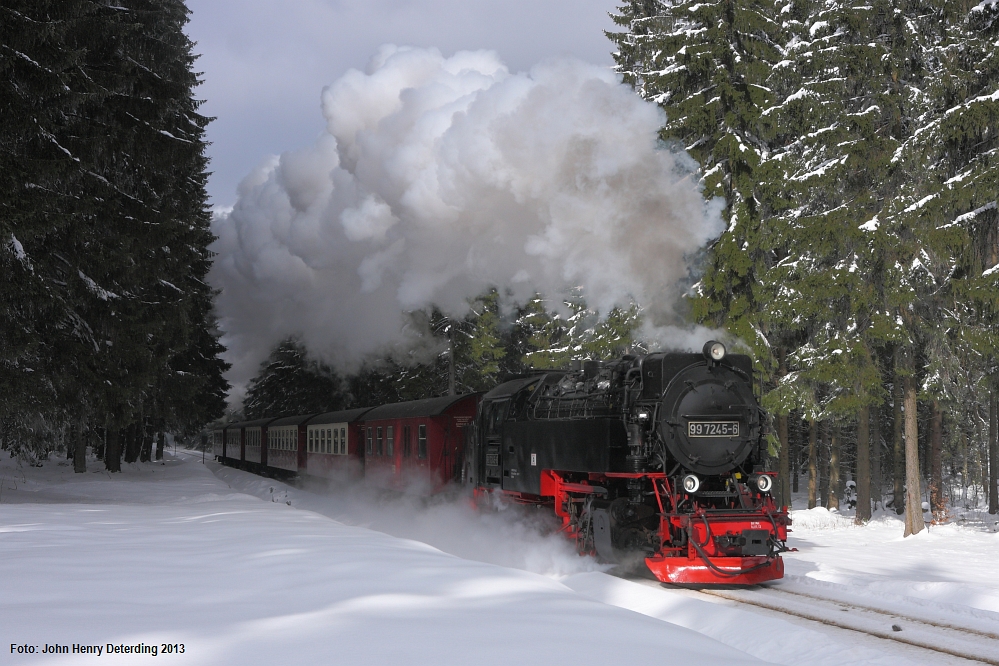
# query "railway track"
(975, 643)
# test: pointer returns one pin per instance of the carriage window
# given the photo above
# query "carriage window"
(378, 441)
(343, 441)
(336, 441)
(390, 440)
(421, 450)
(368, 449)
(407, 447)
(329, 441)
(312, 435)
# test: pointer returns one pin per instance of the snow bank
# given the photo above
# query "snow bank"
(170, 554)
(819, 518)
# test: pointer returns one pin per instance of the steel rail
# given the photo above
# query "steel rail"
(886, 635)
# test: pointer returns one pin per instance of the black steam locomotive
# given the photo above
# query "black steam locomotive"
(656, 457)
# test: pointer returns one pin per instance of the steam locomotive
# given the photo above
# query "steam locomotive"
(655, 458)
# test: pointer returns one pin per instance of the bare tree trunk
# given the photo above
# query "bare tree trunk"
(112, 449)
(813, 467)
(875, 453)
(79, 447)
(99, 440)
(993, 462)
(898, 451)
(146, 441)
(913, 496)
(824, 464)
(937, 502)
(983, 456)
(784, 471)
(160, 443)
(863, 466)
(795, 455)
(132, 441)
(834, 470)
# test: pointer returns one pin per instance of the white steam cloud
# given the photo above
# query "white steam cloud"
(438, 178)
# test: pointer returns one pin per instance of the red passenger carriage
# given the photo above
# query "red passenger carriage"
(420, 441)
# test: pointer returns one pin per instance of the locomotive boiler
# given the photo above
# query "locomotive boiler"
(656, 458)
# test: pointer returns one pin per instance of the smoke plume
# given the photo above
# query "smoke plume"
(437, 178)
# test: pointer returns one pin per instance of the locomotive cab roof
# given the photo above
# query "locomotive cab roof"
(511, 387)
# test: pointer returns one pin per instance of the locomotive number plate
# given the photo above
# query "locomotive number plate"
(713, 429)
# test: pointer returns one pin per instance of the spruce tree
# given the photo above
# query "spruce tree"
(38, 175)
(290, 383)
(107, 236)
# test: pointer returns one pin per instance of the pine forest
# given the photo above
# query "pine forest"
(106, 328)
(854, 147)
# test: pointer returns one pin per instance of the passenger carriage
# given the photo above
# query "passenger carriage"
(254, 436)
(233, 450)
(417, 440)
(218, 443)
(332, 444)
(285, 442)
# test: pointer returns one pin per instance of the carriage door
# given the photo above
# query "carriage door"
(494, 441)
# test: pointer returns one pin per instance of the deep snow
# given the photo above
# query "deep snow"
(248, 570)
(170, 554)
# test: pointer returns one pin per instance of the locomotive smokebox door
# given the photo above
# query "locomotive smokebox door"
(711, 417)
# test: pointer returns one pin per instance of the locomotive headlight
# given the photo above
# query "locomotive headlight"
(714, 351)
(691, 483)
(764, 483)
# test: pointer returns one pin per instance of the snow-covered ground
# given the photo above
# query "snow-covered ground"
(245, 570)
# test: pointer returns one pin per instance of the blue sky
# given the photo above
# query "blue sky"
(265, 62)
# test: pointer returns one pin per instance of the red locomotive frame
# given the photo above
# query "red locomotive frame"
(698, 560)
